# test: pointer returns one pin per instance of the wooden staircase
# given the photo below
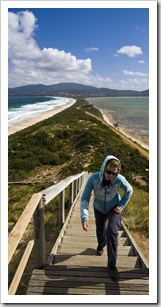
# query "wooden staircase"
(77, 270)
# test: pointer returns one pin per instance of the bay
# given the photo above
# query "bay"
(131, 114)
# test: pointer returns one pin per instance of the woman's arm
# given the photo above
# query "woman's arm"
(128, 191)
(85, 198)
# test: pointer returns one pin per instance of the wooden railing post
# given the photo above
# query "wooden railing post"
(39, 227)
(79, 184)
(62, 209)
(82, 179)
(71, 194)
(75, 189)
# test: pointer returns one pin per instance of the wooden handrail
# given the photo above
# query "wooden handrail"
(20, 227)
(54, 190)
(35, 209)
(17, 277)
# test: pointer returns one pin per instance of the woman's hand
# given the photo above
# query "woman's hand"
(85, 225)
(117, 209)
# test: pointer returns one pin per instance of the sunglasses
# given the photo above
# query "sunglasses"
(110, 173)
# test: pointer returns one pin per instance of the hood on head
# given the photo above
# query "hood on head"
(108, 158)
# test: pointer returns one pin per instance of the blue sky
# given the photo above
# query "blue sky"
(102, 47)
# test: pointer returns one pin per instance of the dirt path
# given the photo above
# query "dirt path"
(124, 137)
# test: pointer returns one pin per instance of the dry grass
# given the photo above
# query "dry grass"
(143, 242)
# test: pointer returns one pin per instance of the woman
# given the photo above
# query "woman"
(108, 207)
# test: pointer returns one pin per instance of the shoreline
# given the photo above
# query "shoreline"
(123, 131)
(44, 115)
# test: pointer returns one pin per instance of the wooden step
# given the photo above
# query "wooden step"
(78, 231)
(81, 249)
(91, 241)
(93, 260)
(89, 281)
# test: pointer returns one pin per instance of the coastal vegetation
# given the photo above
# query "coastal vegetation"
(74, 138)
(68, 143)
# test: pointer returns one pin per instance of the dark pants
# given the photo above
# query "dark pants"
(107, 233)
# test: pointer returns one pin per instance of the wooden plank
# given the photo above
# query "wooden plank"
(84, 260)
(61, 209)
(81, 282)
(98, 286)
(56, 189)
(39, 245)
(75, 232)
(80, 248)
(55, 285)
(49, 290)
(21, 225)
(71, 198)
(90, 271)
(87, 280)
(74, 240)
(17, 277)
(91, 242)
(93, 268)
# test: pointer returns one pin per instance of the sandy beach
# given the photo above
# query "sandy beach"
(131, 136)
(26, 123)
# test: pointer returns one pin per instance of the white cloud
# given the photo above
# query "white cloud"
(130, 51)
(21, 43)
(134, 73)
(141, 62)
(91, 49)
(98, 81)
(29, 64)
(137, 84)
(22, 22)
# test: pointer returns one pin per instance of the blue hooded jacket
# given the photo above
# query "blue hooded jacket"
(105, 198)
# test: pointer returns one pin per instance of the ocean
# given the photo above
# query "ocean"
(22, 108)
(130, 113)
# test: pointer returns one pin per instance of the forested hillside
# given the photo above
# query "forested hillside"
(73, 90)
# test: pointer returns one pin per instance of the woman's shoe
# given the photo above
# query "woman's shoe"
(99, 251)
(113, 272)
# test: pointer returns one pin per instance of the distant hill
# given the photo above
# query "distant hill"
(74, 90)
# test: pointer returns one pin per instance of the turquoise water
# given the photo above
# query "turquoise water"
(131, 114)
